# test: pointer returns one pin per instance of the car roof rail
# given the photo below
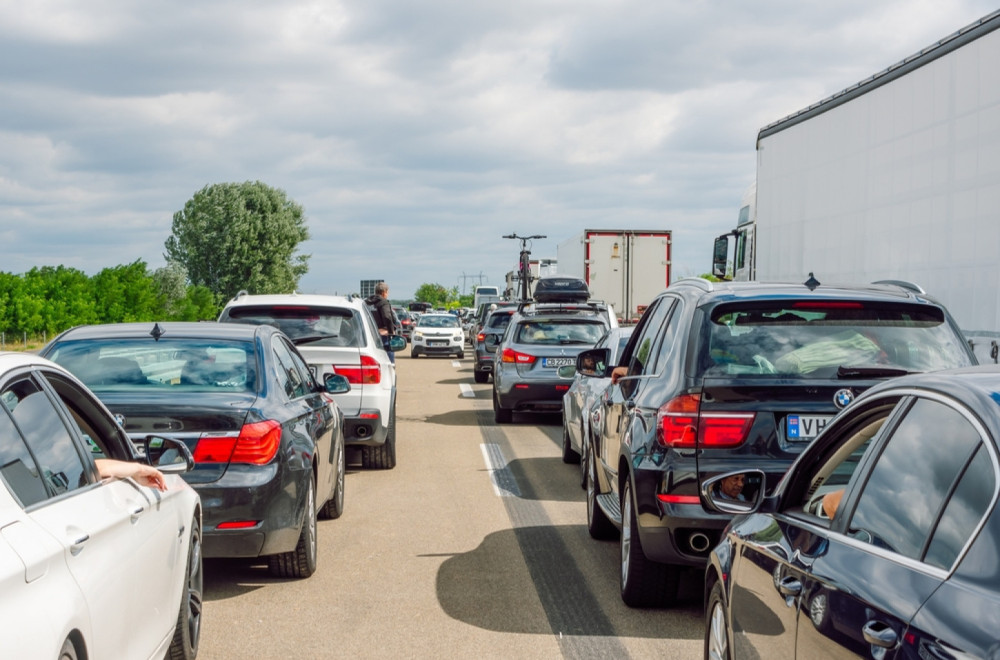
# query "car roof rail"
(903, 284)
(700, 282)
(240, 294)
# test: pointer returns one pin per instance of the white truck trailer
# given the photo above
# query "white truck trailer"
(894, 178)
(626, 268)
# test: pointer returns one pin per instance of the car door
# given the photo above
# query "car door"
(310, 415)
(101, 526)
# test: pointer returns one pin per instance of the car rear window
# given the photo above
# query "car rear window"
(312, 326)
(168, 364)
(824, 339)
(561, 332)
(499, 320)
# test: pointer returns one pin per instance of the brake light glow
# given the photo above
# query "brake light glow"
(680, 424)
(256, 444)
(367, 373)
(481, 337)
(678, 499)
(510, 355)
(237, 524)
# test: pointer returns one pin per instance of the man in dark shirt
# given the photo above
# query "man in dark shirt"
(384, 318)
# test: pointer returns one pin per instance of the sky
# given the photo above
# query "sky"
(414, 134)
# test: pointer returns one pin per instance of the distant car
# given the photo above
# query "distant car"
(267, 440)
(438, 334)
(904, 566)
(484, 352)
(90, 568)
(406, 323)
(337, 335)
(719, 373)
(539, 339)
(580, 412)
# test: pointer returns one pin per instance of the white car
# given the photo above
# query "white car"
(438, 334)
(337, 335)
(89, 567)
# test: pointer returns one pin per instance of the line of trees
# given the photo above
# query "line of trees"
(50, 299)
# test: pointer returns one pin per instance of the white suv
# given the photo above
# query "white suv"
(337, 335)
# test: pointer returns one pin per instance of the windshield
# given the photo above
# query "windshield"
(438, 321)
(315, 326)
(829, 340)
(559, 332)
(122, 365)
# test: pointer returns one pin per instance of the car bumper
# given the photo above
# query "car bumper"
(270, 497)
(365, 429)
(483, 362)
(542, 396)
(450, 348)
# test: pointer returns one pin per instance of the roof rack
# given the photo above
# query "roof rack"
(903, 284)
(594, 305)
(699, 282)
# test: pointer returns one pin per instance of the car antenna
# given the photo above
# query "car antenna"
(812, 282)
(156, 332)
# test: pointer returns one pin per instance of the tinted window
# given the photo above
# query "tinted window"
(290, 378)
(643, 347)
(964, 510)
(813, 339)
(498, 320)
(315, 326)
(130, 364)
(49, 441)
(17, 466)
(912, 478)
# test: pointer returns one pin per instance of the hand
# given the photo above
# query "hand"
(144, 475)
(617, 373)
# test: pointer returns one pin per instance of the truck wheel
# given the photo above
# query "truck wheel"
(481, 376)
(644, 583)
(598, 524)
(300, 562)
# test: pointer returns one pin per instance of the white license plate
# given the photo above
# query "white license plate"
(558, 362)
(805, 427)
(436, 342)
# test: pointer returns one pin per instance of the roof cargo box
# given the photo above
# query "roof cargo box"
(561, 289)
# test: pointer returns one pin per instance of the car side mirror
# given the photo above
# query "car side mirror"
(336, 384)
(492, 341)
(734, 492)
(168, 455)
(396, 343)
(593, 362)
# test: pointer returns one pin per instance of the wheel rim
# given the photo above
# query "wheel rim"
(341, 468)
(584, 454)
(817, 609)
(626, 532)
(311, 520)
(718, 642)
(195, 586)
(591, 491)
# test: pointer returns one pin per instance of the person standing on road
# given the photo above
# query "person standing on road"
(384, 318)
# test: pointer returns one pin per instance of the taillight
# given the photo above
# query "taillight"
(681, 424)
(257, 444)
(480, 337)
(510, 355)
(367, 373)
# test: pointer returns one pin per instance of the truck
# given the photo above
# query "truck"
(485, 294)
(896, 178)
(625, 268)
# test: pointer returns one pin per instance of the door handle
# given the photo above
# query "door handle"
(76, 545)
(135, 512)
(790, 587)
(878, 633)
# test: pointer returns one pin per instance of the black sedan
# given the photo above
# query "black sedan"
(267, 440)
(882, 539)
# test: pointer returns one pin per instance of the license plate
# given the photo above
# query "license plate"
(558, 362)
(805, 427)
(436, 342)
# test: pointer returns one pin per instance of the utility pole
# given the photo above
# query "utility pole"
(465, 277)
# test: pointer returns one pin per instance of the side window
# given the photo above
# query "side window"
(906, 503)
(17, 466)
(308, 381)
(57, 461)
(669, 335)
(642, 354)
(288, 376)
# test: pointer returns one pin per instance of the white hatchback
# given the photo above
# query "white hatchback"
(438, 334)
(89, 567)
(337, 335)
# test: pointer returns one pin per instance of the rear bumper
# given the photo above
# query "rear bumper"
(365, 429)
(545, 396)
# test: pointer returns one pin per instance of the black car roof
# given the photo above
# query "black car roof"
(204, 329)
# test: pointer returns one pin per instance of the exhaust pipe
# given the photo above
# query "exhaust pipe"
(362, 431)
(698, 542)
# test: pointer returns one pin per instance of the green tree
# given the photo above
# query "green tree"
(127, 293)
(233, 236)
(435, 294)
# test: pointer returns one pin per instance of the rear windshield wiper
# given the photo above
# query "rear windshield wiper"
(870, 372)
(310, 339)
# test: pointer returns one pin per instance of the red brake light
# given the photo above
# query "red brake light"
(681, 424)
(510, 355)
(257, 444)
(367, 373)
(481, 337)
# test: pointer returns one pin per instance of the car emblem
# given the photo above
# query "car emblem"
(120, 418)
(843, 398)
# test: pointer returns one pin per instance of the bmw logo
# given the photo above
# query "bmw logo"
(120, 418)
(843, 398)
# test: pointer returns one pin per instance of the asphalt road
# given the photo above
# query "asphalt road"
(474, 546)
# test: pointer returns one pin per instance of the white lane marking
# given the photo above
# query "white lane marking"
(503, 482)
(456, 364)
(467, 390)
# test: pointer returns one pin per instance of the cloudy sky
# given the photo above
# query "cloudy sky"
(414, 134)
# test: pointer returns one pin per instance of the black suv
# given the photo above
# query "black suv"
(719, 374)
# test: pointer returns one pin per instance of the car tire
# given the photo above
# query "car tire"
(461, 355)
(68, 650)
(184, 645)
(481, 376)
(414, 353)
(501, 415)
(716, 630)
(584, 456)
(598, 524)
(334, 506)
(644, 583)
(569, 455)
(300, 562)
(384, 456)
